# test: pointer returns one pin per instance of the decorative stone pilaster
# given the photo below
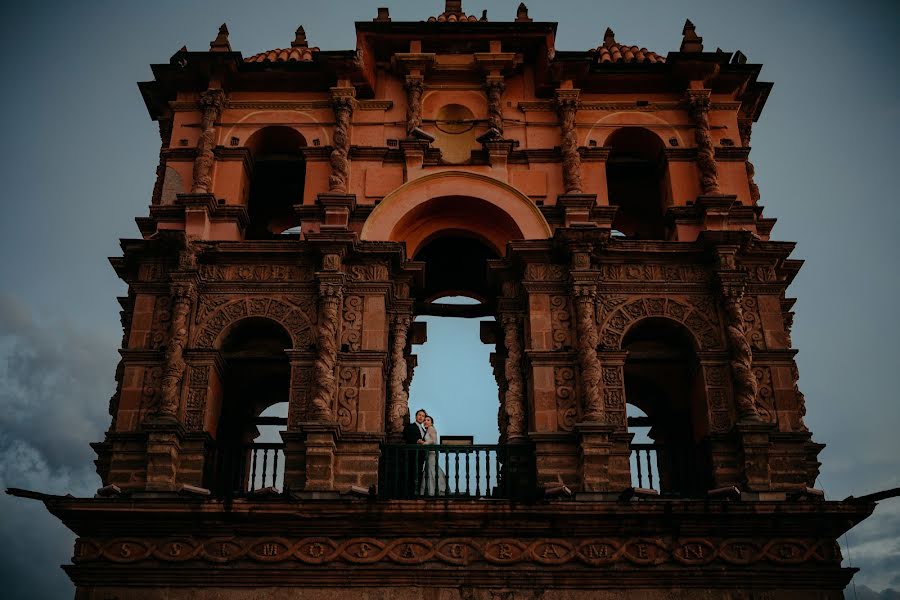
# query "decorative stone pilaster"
(494, 87)
(415, 87)
(398, 398)
(211, 103)
(698, 108)
(583, 296)
(745, 385)
(745, 127)
(514, 397)
(343, 102)
(183, 293)
(165, 137)
(324, 381)
(567, 108)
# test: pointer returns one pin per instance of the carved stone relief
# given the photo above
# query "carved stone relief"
(348, 397)
(566, 398)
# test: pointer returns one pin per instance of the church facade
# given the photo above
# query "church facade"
(599, 204)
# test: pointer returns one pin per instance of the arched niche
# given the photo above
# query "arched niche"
(277, 180)
(663, 378)
(488, 209)
(638, 182)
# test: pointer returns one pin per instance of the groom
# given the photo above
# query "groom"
(414, 433)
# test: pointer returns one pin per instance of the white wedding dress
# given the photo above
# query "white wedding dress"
(427, 487)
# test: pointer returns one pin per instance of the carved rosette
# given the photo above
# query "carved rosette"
(211, 103)
(415, 87)
(567, 107)
(745, 385)
(173, 371)
(494, 87)
(339, 179)
(745, 127)
(398, 407)
(514, 402)
(698, 107)
(325, 382)
(588, 363)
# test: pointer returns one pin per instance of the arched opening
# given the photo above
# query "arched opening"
(637, 180)
(279, 174)
(662, 382)
(256, 387)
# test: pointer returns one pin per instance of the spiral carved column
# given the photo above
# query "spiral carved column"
(211, 103)
(567, 107)
(745, 385)
(325, 382)
(398, 406)
(514, 398)
(588, 363)
(173, 372)
(343, 104)
(494, 87)
(698, 107)
(415, 87)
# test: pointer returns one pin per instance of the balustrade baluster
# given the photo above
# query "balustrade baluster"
(275, 467)
(637, 459)
(477, 473)
(468, 474)
(649, 470)
(456, 473)
(252, 470)
(488, 489)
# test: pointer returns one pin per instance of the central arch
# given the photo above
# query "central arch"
(486, 208)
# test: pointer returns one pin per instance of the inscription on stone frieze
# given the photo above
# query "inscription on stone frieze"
(255, 273)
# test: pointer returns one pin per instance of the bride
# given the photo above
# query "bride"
(431, 472)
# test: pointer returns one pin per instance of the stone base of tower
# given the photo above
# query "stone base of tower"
(178, 548)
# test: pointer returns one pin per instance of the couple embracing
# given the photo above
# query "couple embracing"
(424, 475)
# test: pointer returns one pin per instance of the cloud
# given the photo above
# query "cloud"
(55, 379)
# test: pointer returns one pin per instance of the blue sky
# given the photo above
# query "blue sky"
(79, 163)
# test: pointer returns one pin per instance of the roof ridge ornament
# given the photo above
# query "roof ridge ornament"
(522, 14)
(609, 38)
(300, 38)
(221, 43)
(690, 41)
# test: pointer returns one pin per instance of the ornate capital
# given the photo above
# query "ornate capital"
(213, 100)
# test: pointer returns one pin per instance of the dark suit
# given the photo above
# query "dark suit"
(413, 466)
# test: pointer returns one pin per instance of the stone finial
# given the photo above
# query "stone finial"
(690, 41)
(522, 14)
(738, 58)
(483, 16)
(300, 38)
(609, 38)
(383, 14)
(221, 43)
(452, 7)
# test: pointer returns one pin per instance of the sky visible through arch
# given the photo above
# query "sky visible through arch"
(79, 161)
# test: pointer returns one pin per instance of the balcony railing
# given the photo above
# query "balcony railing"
(457, 472)
(671, 470)
(252, 467)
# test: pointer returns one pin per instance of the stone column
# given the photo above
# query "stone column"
(745, 128)
(591, 404)
(165, 137)
(183, 293)
(211, 103)
(567, 107)
(698, 108)
(514, 398)
(343, 102)
(324, 381)
(494, 87)
(398, 400)
(415, 87)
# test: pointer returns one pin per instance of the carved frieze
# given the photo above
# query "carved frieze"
(566, 398)
(653, 272)
(219, 315)
(368, 272)
(256, 272)
(348, 397)
(351, 328)
(544, 272)
(633, 552)
(195, 407)
(561, 322)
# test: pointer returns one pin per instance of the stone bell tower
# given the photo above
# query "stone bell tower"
(599, 204)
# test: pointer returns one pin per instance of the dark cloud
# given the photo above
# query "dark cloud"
(54, 379)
